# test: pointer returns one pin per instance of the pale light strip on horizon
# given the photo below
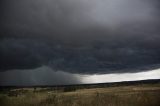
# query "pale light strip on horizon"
(154, 74)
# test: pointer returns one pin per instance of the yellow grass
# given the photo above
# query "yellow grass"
(111, 96)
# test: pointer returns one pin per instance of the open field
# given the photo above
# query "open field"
(137, 95)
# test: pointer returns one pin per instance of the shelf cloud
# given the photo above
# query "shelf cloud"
(80, 36)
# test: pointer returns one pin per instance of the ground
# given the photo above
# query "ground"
(137, 95)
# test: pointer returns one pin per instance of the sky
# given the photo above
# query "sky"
(78, 41)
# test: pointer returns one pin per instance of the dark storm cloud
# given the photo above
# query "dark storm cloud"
(93, 58)
(39, 76)
(80, 36)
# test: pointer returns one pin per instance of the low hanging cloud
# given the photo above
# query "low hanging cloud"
(80, 36)
(39, 76)
(94, 58)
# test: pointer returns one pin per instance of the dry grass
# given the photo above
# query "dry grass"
(112, 96)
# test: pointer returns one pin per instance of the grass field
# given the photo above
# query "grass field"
(138, 95)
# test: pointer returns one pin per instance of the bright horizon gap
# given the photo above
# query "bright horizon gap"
(105, 78)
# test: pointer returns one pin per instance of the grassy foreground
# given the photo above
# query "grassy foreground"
(140, 95)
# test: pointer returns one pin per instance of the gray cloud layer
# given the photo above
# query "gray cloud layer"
(80, 36)
(39, 76)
